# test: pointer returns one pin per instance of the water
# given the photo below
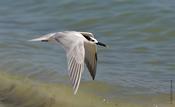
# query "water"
(140, 33)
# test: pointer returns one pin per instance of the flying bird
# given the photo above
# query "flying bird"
(80, 47)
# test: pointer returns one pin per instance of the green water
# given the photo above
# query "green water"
(140, 33)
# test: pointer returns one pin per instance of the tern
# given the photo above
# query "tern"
(80, 47)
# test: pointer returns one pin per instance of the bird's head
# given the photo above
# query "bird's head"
(90, 37)
(97, 42)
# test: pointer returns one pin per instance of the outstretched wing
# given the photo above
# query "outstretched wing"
(91, 58)
(75, 58)
(73, 43)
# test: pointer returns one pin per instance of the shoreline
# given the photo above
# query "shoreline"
(24, 92)
(18, 91)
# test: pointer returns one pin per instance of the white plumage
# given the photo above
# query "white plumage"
(80, 47)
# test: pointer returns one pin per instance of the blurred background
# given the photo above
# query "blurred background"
(140, 33)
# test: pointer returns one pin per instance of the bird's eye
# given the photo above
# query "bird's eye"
(92, 40)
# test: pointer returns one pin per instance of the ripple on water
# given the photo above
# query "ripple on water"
(141, 50)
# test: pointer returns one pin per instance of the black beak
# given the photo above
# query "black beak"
(101, 44)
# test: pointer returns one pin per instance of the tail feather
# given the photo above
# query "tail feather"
(44, 38)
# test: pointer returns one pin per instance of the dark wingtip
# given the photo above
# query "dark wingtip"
(93, 78)
(44, 40)
(93, 75)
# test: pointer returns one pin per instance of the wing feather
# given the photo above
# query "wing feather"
(91, 58)
(76, 64)
(76, 80)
